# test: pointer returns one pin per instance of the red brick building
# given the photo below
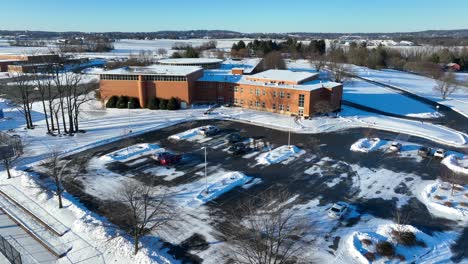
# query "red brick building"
(282, 91)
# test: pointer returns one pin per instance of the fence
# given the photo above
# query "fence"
(9, 251)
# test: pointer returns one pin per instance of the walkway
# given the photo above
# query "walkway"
(31, 251)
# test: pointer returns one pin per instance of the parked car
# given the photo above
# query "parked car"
(395, 146)
(338, 210)
(237, 149)
(209, 130)
(167, 158)
(424, 151)
(233, 138)
(440, 153)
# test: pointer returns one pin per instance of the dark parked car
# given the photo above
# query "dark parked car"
(233, 138)
(167, 158)
(238, 149)
(425, 152)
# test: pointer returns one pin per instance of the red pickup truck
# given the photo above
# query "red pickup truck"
(167, 158)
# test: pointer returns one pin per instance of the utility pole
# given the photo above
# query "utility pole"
(206, 180)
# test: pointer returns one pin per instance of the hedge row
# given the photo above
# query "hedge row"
(133, 103)
(123, 102)
(163, 104)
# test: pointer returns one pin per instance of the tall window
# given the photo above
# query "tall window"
(301, 100)
(274, 93)
(263, 92)
(257, 103)
(274, 107)
(251, 90)
(263, 105)
(287, 108)
(288, 95)
(242, 90)
(257, 92)
(281, 94)
(281, 107)
(236, 89)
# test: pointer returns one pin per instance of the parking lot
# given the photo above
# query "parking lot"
(324, 169)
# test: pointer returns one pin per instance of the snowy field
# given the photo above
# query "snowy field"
(126, 47)
(385, 99)
(418, 85)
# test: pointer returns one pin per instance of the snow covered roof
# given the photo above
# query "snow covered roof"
(155, 70)
(283, 75)
(248, 64)
(190, 61)
(227, 76)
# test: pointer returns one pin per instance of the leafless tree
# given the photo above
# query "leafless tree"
(318, 61)
(56, 168)
(12, 151)
(147, 210)
(273, 60)
(265, 231)
(339, 71)
(446, 85)
(162, 52)
(23, 96)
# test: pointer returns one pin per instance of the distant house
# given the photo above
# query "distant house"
(452, 66)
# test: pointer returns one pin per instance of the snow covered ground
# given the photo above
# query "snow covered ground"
(439, 198)
(385, 99)
(280, 154)
(133, 152)
(366, 145)
(419, 85)
(457, 163)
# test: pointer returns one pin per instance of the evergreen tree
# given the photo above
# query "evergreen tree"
(163, 104)
(133, 103)
(122, 102)
(153, 103)
(173, 104)
(112, 102)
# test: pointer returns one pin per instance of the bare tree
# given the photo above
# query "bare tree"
(23, 96)
(147, 210)
(162, 52)
(339, 71)
(56, 168)
(12, 150)
(318, 61)
(266, 231)
(446, 85)
(273, 60)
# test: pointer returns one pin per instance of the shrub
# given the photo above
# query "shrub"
(366, 242)
(122, 102)
(385, 249)
(438, 197)
(401, 257)
(464, 204)
(153, 103)
(97, 94)
(133, 103)
(112, 102)
(458, 188)
(369, 256)
(163, 104)
(173, 104)
(448, 204)
(466, 195)
(406, 238)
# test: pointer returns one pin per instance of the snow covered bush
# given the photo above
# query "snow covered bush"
(406, 238)
(112, 102)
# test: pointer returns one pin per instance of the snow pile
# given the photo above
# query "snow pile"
(439, 200)
(194, 134)
(456, 164)
(367, 145)
(132, 152)
(222, 185)
(92, 70)
(280, 154)
(427, 249)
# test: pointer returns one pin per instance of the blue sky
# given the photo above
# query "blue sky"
(237, 15)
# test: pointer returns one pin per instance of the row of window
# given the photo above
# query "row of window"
(164, 78)
(259, 92)
(119, 77)
(258, 104)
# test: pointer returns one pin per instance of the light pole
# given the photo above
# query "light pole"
(206, 180)
(128, 125)
(289, 131)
